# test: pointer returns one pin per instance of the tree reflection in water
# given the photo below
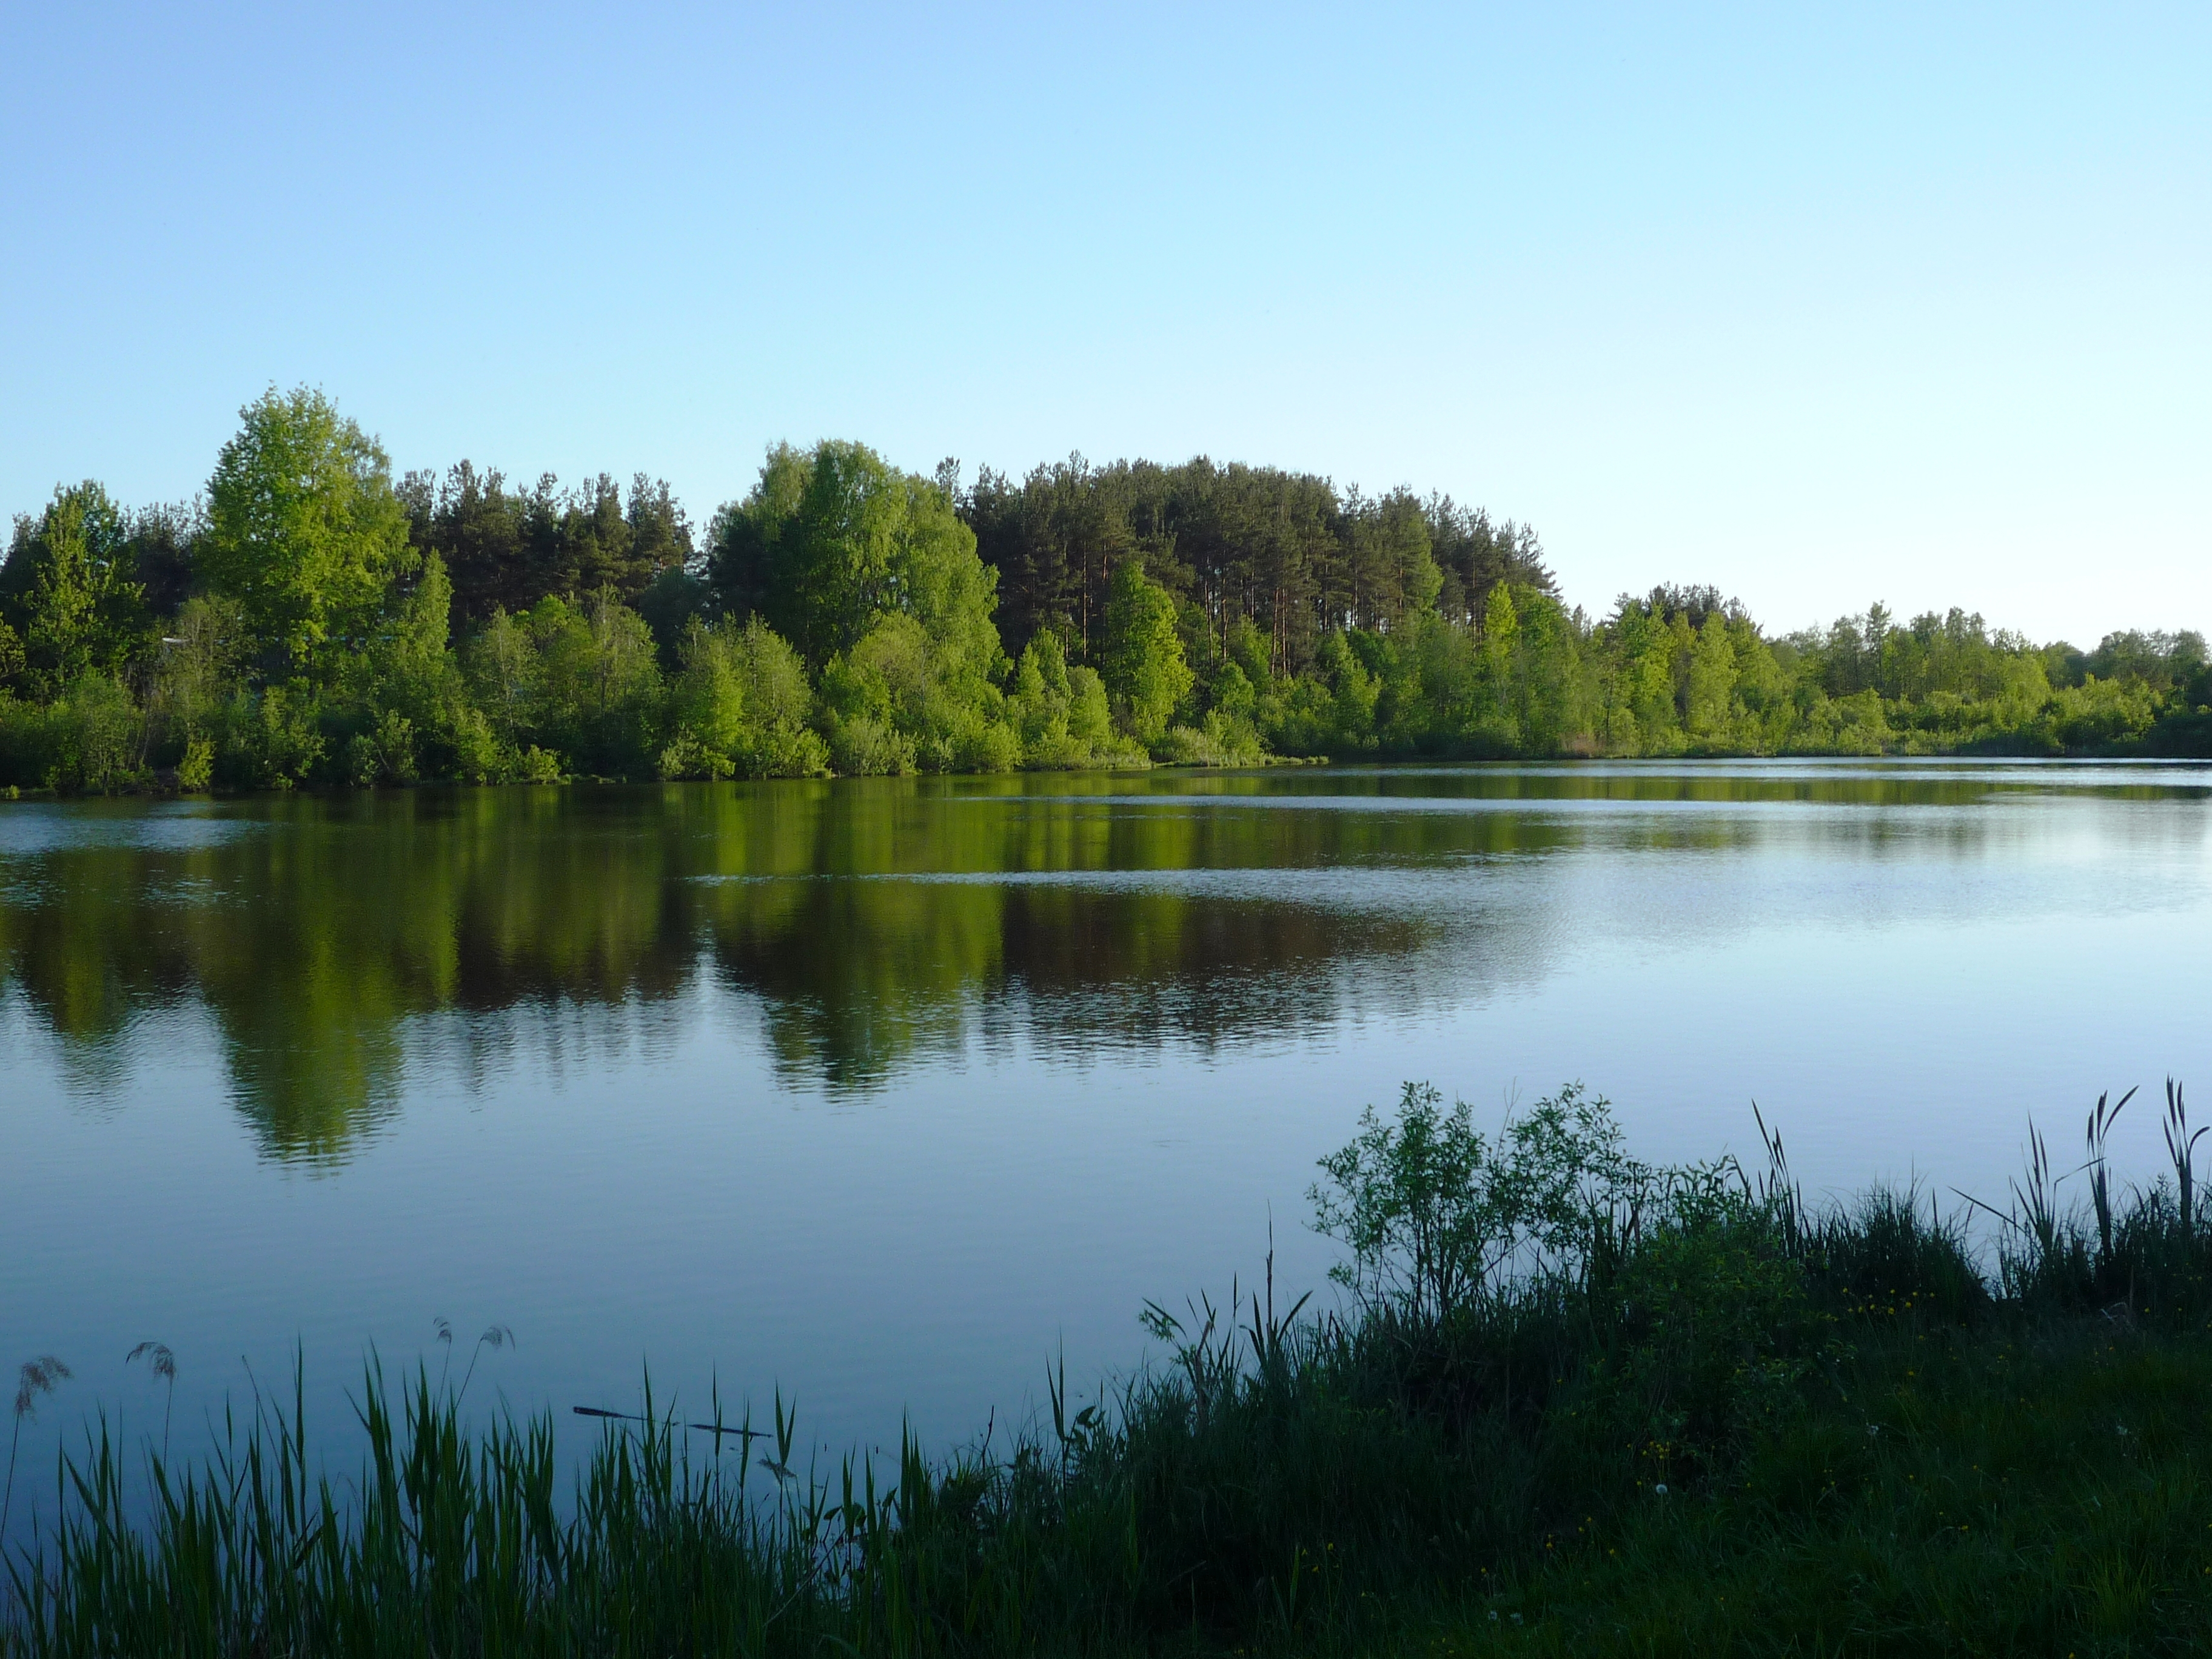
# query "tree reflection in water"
(874, 922)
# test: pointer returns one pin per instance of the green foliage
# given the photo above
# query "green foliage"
(69, 586)
(22, 742)
(1691, 1417)
(871, 575)
(1433, 1213)
(383, 754)
(1283, 555)
(1059, 714)
(1227, 734)
(506, 550)
(1144, 672)
(1713, 1334)
(901, 688)
(501, 667)
(304, 530)
(739, 705)
(774, 737)
(1392, 575)
(196, 766)
(597, 681)
(196, 670)
(1352, 693)
(845, 618)
(272, 739)
(1710, 698)
(90, 739)
(670, 603)
(405, 696)
(1218, 739)
(833, 539)
(706, 707)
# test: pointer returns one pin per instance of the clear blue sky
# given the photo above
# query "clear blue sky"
(1818, 305)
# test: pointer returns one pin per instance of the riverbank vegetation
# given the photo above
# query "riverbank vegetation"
(310, 620)
(1569, 1402)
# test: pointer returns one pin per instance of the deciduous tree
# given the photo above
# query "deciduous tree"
(304, 529)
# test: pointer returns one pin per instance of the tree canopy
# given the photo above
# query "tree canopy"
(305, 531)
(314, 623)
(511, 548)
(1144, 671)
(833, 538)
(70, 591)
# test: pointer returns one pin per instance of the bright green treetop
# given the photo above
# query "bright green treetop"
(834, 539)
(304, 529)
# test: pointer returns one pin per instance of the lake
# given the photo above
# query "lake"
(885, 1091)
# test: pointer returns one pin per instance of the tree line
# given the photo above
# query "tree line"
(311, 620)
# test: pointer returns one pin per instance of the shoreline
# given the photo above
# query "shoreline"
(1698, 1414)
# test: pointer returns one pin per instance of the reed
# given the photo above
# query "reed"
(37, 1376)
(163, 1364)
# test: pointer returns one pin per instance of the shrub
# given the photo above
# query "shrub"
(94, 738)
(862, 745)
(1713, 1330)
(270, 740)
(1436, 1216)
(196, 769)
(383, 754)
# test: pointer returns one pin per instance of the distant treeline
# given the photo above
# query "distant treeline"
(311, 620)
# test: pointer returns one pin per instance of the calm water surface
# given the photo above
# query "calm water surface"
(884, 1091)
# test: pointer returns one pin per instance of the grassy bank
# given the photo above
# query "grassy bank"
(1572, 1403)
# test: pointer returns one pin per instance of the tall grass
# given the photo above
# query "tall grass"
(1550, 1361)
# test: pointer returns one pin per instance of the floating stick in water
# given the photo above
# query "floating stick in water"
(716, 1429)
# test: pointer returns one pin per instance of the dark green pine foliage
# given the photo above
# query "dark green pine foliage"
(1283, 550)
(509, 548)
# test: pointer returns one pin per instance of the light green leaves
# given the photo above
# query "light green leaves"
(71, 581)
(304, 530)
(1144, 671)
(1434, 1212)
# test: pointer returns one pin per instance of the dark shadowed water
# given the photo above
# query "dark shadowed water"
(884, 1090)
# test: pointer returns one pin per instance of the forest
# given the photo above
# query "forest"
(311, 620)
